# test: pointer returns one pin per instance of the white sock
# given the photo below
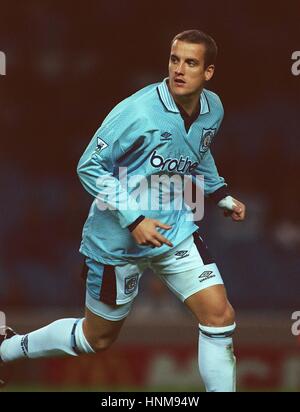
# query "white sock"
(216, 359)
(62, 337)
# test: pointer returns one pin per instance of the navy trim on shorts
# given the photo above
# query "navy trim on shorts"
(108, 290)
(202, 249)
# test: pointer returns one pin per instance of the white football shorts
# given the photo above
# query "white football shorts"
(185, 269)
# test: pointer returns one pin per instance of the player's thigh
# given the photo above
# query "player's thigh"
(211, 306)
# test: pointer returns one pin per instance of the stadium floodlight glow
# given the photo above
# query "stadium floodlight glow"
(2, 323)
(2, 64)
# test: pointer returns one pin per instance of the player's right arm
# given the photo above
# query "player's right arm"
(96, 169)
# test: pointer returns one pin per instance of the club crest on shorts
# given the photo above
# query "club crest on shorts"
(206, 139)
(208, 274)
(131, 283)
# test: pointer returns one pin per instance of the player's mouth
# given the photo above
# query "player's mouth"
(179, 82)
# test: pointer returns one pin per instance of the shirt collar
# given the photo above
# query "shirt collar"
(169, 103)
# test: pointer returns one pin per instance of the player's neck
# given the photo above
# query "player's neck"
(188, 103)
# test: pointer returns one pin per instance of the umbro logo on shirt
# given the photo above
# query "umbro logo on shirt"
(208, 274)
(166, 136)
(182, 254)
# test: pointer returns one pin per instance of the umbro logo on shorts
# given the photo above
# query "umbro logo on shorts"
(206, 275)
(182, 254)
(131, 283)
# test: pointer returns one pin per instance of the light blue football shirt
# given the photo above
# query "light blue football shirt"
(145, 136)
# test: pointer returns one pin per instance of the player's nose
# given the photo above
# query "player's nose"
(179, 69)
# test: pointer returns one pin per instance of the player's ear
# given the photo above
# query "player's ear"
(209, 72)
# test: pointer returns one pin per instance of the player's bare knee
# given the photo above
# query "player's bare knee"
(224, 316)
(101, 341)
(100, 344)
(229, 317)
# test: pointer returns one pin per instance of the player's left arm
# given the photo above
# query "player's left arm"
(216, 188)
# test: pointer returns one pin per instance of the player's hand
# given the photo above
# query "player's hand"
(145, 234)
(238, 211)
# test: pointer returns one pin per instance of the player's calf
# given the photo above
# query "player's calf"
(62, 337)
(216, 327)
(217, 363)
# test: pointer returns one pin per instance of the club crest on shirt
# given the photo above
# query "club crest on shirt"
(206, 139)
(131, 283)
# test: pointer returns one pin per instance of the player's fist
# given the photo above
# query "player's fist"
(234, 208)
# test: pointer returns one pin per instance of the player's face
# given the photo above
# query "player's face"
(187, 75)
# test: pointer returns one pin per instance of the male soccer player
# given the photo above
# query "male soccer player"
(163, 130)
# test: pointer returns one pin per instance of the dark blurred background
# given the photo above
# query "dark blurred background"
(69, 63)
